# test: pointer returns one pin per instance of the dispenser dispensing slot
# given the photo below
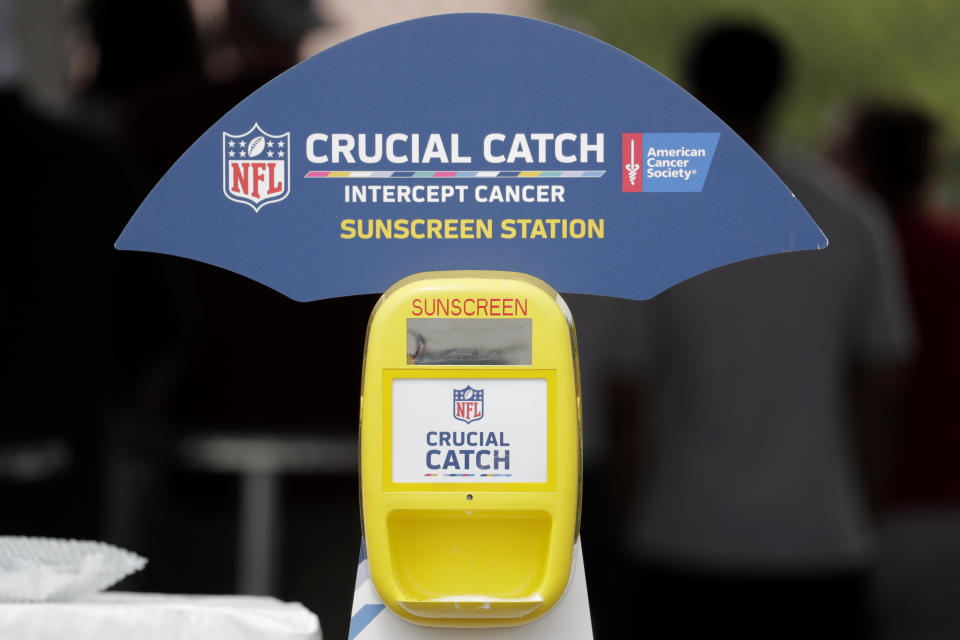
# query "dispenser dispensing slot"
(436, 556)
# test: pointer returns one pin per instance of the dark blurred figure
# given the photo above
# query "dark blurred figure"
(737, 71)
(149, 94)
(136, 47)
(762, 413)
(892, 151)
(247, 358)
(65, 358)
(267, 34)
(152, 89)
(606, 373)
(249, 366)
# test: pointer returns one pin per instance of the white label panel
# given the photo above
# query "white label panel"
(470, 430)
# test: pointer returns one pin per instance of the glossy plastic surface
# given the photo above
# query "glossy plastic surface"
(471, 550)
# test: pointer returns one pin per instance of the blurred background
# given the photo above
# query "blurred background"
(771, 446)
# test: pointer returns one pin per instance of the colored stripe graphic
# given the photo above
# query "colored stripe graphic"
(467, 475)
(362, 618)
(454, 174)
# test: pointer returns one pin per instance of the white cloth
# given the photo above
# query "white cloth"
(38, 569)
(145, 616)
(751, 459)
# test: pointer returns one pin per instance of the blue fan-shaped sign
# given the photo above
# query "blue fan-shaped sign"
(470, 141)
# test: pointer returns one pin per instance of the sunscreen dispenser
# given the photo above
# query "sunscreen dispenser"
(470, 448)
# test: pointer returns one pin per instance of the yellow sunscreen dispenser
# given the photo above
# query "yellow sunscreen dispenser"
(470, 448)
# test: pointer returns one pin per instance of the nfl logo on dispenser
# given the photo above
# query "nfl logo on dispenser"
(256, 167)
(468, 404)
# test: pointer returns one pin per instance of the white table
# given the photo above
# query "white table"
(150, 616)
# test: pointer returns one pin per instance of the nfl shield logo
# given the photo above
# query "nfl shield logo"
(467, 404)
(256, 167)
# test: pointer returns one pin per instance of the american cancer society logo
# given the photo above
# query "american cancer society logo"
(256, 167)
(666, 162)
(468, 404)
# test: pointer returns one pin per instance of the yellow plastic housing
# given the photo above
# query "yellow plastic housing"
(461, 552)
